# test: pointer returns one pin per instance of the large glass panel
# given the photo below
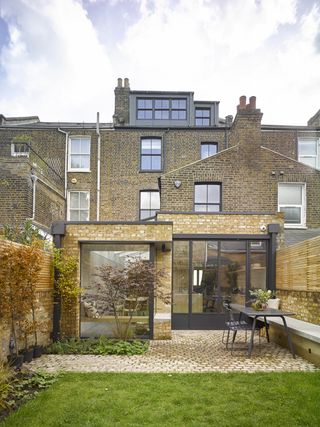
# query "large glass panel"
(205, 289)
(233, 271)
(97, 316)
(75, 146)
(310, 161)
(180, 277)
(258, 264)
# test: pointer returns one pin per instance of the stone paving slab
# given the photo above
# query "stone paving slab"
(188, 351)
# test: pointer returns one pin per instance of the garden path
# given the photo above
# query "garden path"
(188, 351)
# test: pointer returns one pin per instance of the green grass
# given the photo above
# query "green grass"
(237, 399)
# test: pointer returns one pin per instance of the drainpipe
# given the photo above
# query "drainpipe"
(65, 162)
(34, 179)
(98, 167)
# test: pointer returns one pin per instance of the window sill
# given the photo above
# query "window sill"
(79, 170)
(295, 227)
(150, 170)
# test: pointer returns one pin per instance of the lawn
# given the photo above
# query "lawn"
(216, 399)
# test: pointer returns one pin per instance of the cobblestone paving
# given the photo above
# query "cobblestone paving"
(188, 351)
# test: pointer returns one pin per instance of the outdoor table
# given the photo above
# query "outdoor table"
(268, 312)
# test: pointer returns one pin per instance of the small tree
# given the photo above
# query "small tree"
(137, 279)
(20, 267)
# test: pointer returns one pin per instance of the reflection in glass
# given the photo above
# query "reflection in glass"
(97, 317)
(258, 263)
(233, 271)
(205, 290)
(180, 277)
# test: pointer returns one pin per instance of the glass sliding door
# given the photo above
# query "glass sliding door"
(233, 269)
(208, 272)
(180, 277)
(205, 290)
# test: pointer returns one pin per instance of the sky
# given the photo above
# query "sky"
(60, 59)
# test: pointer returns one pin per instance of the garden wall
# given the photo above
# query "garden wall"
(298, 283)
(44, 293)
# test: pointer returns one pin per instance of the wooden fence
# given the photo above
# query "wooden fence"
(44, 293)
(298, 266)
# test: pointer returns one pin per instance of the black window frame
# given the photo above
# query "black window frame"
(205, 120)
(146, 138)
(148, 210)
(207, 203)
(181, 111)
(208, 143)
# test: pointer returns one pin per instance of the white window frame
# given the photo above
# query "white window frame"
(70, 169)
(15, 153)
(142, 209)
(68, 201)
(315, 156)
(303, 206)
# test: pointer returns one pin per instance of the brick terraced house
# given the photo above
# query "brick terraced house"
(207, 199)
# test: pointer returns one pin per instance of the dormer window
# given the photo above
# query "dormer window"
(202, 116)
(161, 109)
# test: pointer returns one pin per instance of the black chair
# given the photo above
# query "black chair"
(236, 326)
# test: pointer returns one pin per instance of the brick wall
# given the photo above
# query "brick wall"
(220, 223)
(143, 232)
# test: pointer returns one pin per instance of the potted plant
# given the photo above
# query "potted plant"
(261, 298)
(274, 302)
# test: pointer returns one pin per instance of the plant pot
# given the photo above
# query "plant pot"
(274, 303)
(15, 361)
(37, 351)
(27, 355)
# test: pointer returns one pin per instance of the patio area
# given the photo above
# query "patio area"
(188, 351)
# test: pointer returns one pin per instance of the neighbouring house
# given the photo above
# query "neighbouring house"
(207, 199)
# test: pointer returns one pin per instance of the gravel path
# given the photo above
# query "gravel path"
(188, 351)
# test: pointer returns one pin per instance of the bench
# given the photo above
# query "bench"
(305, 337)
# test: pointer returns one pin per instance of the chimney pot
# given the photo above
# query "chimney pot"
(126, 82)
(252, 102)
(243, 101)
(119, 82)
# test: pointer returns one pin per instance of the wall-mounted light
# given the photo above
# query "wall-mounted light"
(177, 184)
(281, 173)
(74, 180)
(273, 173)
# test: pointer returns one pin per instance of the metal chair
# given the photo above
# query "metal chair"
(237, 326)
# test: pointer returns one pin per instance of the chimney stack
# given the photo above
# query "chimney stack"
(122, 103)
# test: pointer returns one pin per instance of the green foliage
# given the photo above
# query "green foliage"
(261, 295)
(101, 346)
(67, 283)
(6, 385)
(26, 234)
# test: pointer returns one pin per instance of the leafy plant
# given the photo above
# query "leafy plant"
(26, 234)
(6, 386)
(261, 297)
(67, 283)
(18, 276)
(99, 346)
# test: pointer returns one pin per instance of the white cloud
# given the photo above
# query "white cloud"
(225, 49)
(55, 65)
